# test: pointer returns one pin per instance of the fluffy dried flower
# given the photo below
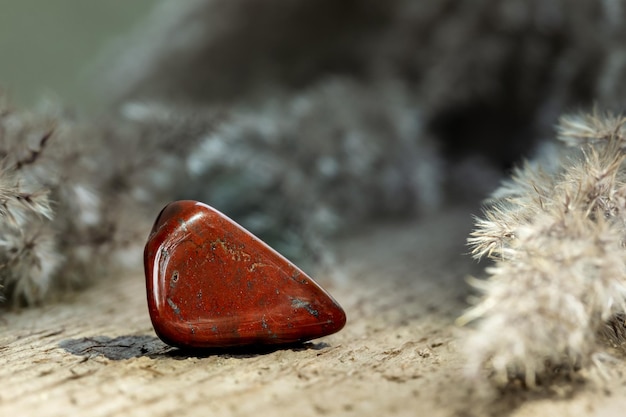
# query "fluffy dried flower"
(30, 258)
(75, 195)
(557, 240)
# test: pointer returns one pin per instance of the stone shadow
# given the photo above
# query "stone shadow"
(127, 347)
(116, 348)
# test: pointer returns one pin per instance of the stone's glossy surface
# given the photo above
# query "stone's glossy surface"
(211, 283)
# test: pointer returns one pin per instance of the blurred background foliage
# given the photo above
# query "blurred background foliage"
(300, 119)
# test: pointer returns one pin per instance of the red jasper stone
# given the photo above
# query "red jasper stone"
(211, 283)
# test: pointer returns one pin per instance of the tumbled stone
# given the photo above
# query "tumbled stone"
(211, 283)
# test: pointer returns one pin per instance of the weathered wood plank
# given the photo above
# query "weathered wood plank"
(401, 285)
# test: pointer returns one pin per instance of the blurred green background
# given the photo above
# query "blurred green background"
(48, 46)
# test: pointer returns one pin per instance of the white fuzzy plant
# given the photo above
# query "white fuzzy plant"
(73, 194)
(28, 255)
(557, 237)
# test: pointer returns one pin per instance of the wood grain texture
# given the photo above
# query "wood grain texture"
(402, 286)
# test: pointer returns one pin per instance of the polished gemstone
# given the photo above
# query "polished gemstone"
(211, 283)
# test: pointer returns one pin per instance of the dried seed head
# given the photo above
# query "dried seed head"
(557, 241)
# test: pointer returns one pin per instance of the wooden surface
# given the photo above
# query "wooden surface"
(402, 286)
